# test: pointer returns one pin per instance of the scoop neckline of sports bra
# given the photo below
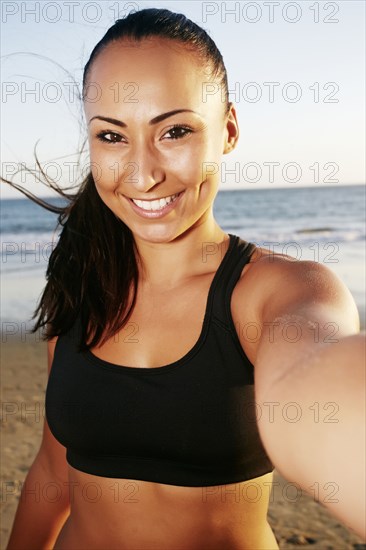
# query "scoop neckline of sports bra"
(97, 361)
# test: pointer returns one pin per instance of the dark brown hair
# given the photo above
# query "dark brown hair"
(92, 271)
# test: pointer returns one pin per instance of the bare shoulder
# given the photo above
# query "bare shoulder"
(271, 278)
(273, 284)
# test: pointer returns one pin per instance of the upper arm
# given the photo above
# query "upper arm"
(305, 306)
(51, 453)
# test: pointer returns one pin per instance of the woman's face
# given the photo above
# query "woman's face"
(168, 162)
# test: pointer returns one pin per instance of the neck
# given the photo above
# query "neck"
(197, 251)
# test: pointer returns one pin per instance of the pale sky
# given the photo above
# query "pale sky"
(295, 70)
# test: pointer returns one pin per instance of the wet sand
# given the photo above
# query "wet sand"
(297, 520)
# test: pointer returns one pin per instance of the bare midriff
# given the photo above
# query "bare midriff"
(128, 514)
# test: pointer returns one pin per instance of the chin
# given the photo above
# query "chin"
(155, 234)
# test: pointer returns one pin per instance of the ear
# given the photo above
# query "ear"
(231, 135)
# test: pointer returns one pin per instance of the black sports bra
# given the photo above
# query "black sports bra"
(189, 423)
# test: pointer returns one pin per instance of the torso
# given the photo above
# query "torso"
(141, 515)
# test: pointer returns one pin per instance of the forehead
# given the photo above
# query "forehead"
(152, 70)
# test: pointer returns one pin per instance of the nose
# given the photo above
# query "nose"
(143, 171)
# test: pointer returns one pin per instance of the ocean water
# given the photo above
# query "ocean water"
(323, 224)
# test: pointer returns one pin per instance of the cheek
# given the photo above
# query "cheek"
(103, 169)
(109, 200)
(193, 165)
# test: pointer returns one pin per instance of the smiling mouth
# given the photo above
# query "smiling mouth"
(157, 204)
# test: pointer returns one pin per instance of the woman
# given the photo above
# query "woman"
(151, 386)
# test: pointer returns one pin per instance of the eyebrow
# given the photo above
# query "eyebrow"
(154, 120)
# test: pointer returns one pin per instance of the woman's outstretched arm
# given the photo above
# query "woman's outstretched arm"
(310, 387)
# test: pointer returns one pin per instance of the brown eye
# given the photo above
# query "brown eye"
(178, 132)
(112, 137)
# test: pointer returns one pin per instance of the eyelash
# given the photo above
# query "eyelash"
(101, 135)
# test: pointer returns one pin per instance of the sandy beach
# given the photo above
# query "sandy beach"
(296, 521)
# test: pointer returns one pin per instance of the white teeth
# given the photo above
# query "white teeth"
(156, 204)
